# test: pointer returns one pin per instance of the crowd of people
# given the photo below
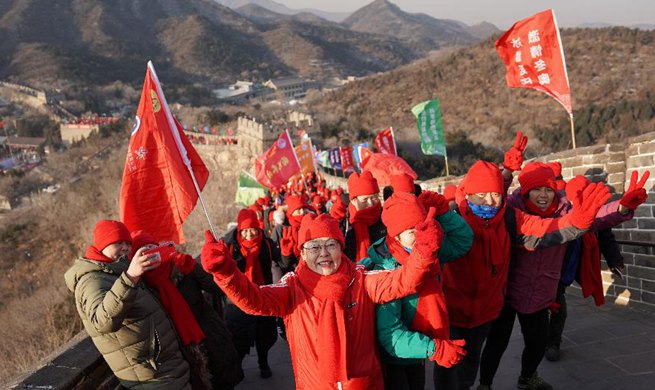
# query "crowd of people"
(365, 291)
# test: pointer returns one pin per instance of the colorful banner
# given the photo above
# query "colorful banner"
(335, 158)
(305, 159)
(323, 158)
(278, 163)
(347, 161)
(385, 142)
(248, 190)
(430, 127)
(534, 58)
(357, 155)
(157, 191)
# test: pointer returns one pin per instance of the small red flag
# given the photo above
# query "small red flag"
(533, 55)
(347, 161)
(385, 142)
(157, 192)
(278, 163)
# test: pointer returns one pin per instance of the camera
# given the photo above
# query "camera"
(164, 251)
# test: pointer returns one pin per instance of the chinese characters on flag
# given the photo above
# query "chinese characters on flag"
(385, 142)
(533, 55)
(277, 164)
(305, 159)
(347, 163)
(335, 158)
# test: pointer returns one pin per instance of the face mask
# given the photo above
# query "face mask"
(483, 211)
(408, 250)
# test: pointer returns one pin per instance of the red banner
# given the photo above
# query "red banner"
(385, 142)
(533, 55)
(383, 166)
(347, 161)
(157, 192)
(277, 164)
(305, 156)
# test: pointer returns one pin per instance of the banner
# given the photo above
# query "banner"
(323, 158)
(275, 166)
(248, 190)
(534, 58)
(157, 191)
(304, 154)
(335, 158)
(347, 162)
(430, 127)
(357, 149)
(385, 142)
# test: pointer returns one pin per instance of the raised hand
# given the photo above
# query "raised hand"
(287, 242)
(214, 254)
(514, 156)
(141, 264)
(586, 204)
(428, 235)
(432, 199)
(448, 352)
(636, 193)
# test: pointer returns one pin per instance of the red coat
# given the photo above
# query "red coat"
(289, 300)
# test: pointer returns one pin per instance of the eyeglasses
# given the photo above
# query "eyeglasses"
(315, 249)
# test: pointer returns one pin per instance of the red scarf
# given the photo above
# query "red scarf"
(534, 209)
(591, 280)
(491, 242)
(331, 333)
(295, 220)
(431, 316)
(92, 253)
(361, 221)
(250, 250)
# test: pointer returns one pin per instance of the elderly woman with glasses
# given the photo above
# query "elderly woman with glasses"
(328, 303)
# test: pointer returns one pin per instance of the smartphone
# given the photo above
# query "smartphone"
(163, 251)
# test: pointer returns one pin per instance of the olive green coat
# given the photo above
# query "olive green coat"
(128, 326)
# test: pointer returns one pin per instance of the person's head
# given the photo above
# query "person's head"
(278, 217)
(538, 185)
(317, 202)
(402, 182)
(248, 225)
(297, 207)
(483, 185)
(400, 214)
(363, 190)
(112, 239)
(141, 239)
(449, 193)
(321, 243)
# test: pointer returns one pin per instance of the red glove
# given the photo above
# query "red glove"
(214, 256)
(185, 263)
(448, 352)
(428, 235)
(338, 209)
(432, 199)
(636, 193)
(287, 242)
(514, 156)
(586, 204)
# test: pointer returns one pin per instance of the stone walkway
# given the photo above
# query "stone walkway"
(611, 347)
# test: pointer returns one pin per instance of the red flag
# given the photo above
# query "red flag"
(383, 166)
(347, 161)
(157, 192)
(278, 163)
(385, 142)
(533, 55)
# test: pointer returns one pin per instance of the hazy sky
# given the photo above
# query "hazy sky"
(503, 13)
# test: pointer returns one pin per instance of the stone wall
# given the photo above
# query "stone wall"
(255, 137)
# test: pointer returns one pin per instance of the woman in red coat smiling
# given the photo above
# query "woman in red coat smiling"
(328, 303)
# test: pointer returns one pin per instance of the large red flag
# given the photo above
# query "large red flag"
(533, 55)
(383, 166)
(278, 163)
(158, 193)
(347, 160)
(385, 142)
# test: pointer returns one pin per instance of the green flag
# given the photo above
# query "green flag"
(248, 190)
(430, 127)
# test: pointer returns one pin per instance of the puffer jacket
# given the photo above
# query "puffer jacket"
(128, 326)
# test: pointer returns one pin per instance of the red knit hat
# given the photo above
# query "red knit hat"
(295, 202)
(536, 174)
(261, 201)
(556, 167)
(107, 232)
(247, 219)
(402, 211)
(317, 200)
(256, 207)
(364, 184)
(483, 176)
(402, 183)
(449, 192)
(323, 226)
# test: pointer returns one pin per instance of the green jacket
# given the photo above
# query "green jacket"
(401, 345)
(128, 326)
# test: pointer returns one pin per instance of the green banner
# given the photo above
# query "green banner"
(248, 190)
(430, 127)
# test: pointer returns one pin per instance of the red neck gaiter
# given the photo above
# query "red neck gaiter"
(534, 209)
(361, 221)
(250, 250)
(431, 317)
(491, 239)
(92, 253)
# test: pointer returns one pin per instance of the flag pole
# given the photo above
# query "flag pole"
(180, 147)
(393, 137)
(572, 130)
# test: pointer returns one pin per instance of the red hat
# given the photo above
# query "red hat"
(317, 199)
(556, 167)
(294, 202)
(536, 174)
(402, 182)
(256, 207)
(402, 211)
(364, 184)
(107, 232)
(575, 185)
(323, 226)
(141, 238)
(483, 176)
(260, 201)
(339, 190)
(247, 219)
(449, 192)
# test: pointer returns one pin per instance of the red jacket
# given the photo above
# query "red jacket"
(289, 300)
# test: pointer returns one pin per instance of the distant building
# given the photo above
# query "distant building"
(238, 91)
(30, 144)
(291, 87)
